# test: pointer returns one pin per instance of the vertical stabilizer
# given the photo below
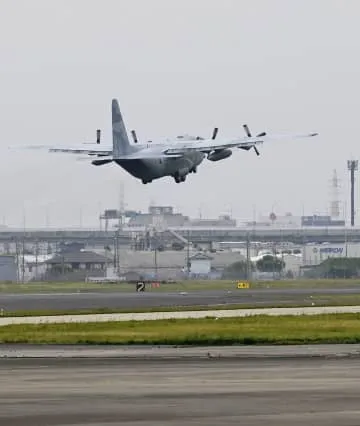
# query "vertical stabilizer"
(121, 144)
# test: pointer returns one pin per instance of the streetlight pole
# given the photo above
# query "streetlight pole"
(352, 166)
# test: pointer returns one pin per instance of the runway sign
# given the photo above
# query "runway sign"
(140, 286)
(242, 284)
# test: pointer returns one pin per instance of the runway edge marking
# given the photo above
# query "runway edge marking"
(153, 316)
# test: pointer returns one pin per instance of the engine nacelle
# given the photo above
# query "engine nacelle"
(219, 154)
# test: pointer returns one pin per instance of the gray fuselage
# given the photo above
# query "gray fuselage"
(155, 168)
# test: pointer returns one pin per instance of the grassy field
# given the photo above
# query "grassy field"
(179, 286)
(338, 328)
(315, 300)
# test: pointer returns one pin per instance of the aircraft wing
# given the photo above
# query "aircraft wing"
(214, 145)
(146, 153)
(89, 149)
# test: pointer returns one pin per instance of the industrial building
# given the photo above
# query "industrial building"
(314, 254)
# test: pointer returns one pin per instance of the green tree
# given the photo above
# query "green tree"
(270, 264)
(237, 270)
(340, 267)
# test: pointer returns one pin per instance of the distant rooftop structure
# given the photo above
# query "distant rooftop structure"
(224, 220)
(287, 220)
(160, 217)
(167, 210)
(318, 220)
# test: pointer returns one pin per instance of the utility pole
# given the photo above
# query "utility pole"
(156, 265)
(188, 254)
(23, 250)
(248, 265)
(116, 253)
(352, 166)
(36, 259)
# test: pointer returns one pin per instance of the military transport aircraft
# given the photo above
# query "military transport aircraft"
(176, 158)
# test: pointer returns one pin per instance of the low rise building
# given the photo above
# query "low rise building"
(83, 260)
(314, 254)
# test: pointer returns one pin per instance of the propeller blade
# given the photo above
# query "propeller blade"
(247, 131)
(256, 150)
(98, 134)
(215, 131)
(260, 135)
(133, 134)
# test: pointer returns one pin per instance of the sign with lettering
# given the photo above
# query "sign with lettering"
(140, 286)
(243, 285)
(331, 250)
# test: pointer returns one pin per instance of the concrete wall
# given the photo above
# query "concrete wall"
(293, 264)
(200, 266)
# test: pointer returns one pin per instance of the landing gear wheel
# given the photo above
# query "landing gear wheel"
(179, 178)
(144, 181)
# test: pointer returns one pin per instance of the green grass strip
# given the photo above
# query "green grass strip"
(257, 330)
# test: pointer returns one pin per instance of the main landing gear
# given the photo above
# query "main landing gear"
(178, 178)
(144, 181)
(181, 178)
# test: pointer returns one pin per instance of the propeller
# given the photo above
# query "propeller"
(215, 131)
(248, 134)
(98, 135)
(213, 136)
(133, 134)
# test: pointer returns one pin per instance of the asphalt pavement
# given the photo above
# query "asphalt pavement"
(210, 391)
(121, 300)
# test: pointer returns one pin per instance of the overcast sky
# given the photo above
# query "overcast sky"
(176, 67)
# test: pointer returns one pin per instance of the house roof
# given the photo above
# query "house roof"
(31, 259)
(200, 256)
(78, 257)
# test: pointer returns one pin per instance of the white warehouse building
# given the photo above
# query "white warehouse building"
(314, 254)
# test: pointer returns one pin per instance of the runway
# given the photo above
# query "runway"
(159, 391)
(121, 300)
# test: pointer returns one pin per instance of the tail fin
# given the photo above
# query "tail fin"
(121, 144)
